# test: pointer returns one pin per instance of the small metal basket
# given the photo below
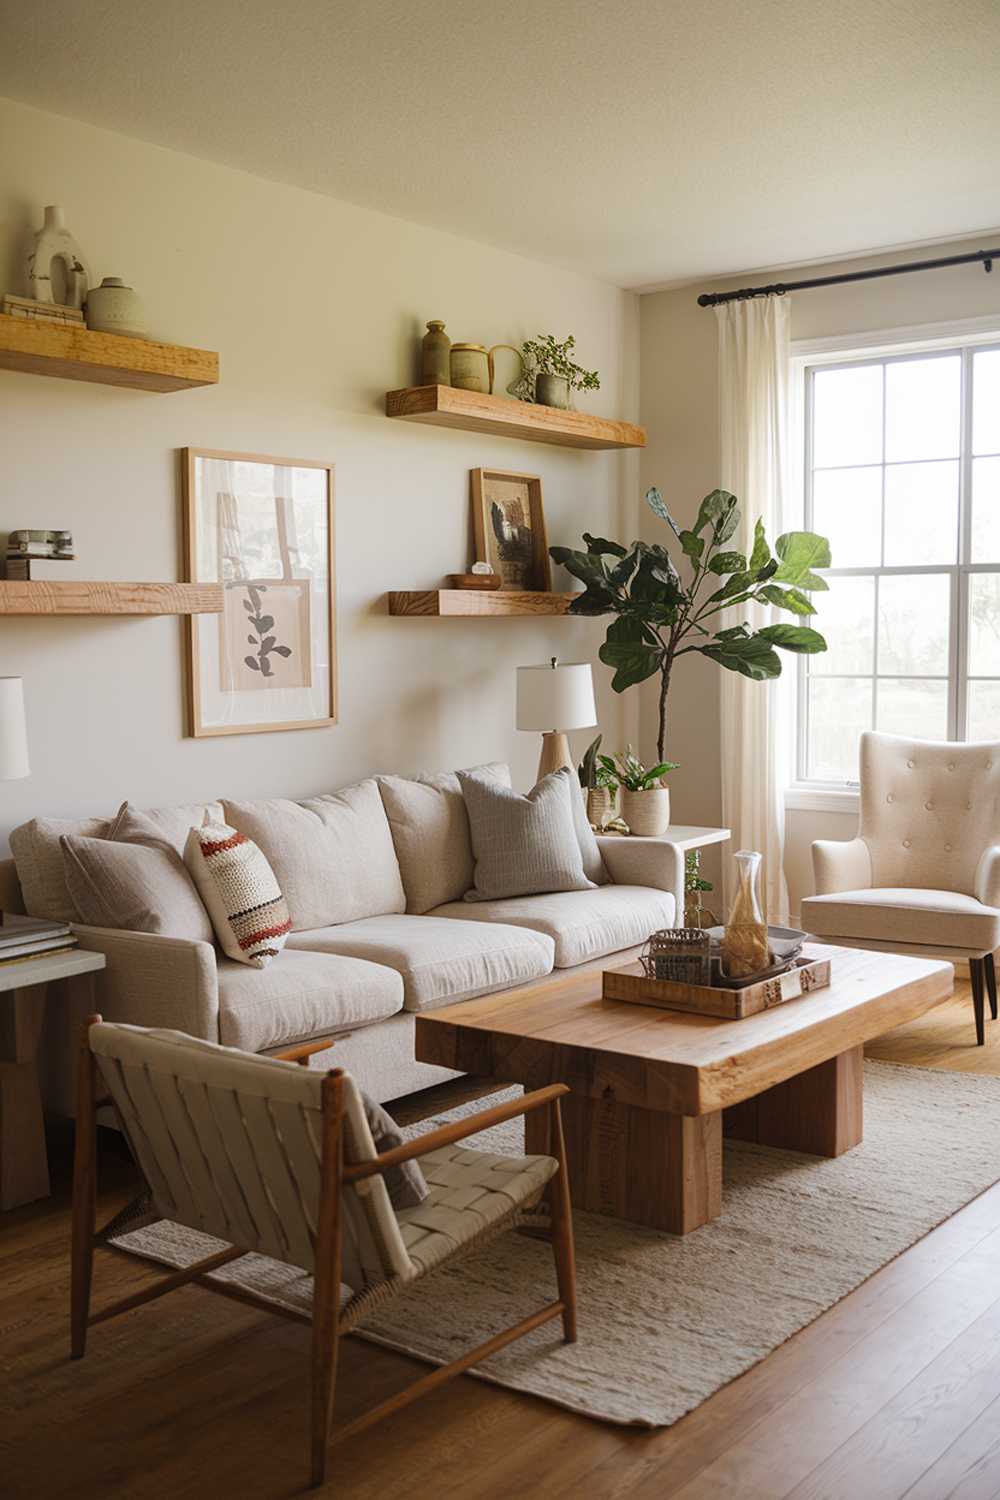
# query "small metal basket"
(680, 954)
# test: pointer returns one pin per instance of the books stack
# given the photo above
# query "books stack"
(32, 937)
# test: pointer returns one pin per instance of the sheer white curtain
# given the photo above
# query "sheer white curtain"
(754, 390)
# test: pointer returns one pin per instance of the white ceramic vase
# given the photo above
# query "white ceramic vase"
(646, 813)
(114, 307)
(53, 242)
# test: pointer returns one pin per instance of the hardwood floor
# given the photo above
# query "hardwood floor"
(893, 1392)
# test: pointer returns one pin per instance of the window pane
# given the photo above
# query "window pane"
(984, 711)
(984, 624)
(921, 514)
(986, 401)
(912, 705)
(914, 624)
(847, 416)
(840, 709)
(986, 510)
(847, 510)
(922, 408)
(845, 617)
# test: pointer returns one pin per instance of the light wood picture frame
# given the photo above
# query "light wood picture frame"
(508, 525)
(263, 527)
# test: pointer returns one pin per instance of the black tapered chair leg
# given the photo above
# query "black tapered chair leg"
(976, 972)
(991, 983)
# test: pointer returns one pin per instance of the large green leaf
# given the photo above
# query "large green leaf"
(727, 523)
(724, 563)
(633, 662)
(791, 599)
(800, 553)
(593, 601)
(599, 544)
(586, 566)
(712, 509)
(655, 502)
(793, 637)
(761, 554)
(751, 656)
(737, 584)
(693, 545)
(630, 629)
(622, 571)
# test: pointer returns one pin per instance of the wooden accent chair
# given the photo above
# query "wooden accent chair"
(923, 874)
(274, 1158)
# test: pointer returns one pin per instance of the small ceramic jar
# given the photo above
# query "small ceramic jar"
(114, 307)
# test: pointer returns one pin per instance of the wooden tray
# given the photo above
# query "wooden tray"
(732, 1005)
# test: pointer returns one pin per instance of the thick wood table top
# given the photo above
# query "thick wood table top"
(561, 1030)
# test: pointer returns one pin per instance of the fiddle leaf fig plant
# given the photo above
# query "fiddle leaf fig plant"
(660, 617)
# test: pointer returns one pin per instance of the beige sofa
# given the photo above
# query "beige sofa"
(374, 876)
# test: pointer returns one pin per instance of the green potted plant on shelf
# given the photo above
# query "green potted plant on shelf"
(659, 617)
(645, 801)
(551, 374)
(598, 787)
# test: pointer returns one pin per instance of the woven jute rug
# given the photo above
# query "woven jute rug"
(664, 1322)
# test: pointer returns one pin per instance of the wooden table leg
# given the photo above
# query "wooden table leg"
(664, 1171)
(24, 1166)
(820, 1112)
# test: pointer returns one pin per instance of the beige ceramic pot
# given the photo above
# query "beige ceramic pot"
(600, 805)
(646, 813)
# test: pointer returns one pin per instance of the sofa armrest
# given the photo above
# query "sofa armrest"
(841, 865)
(655, 862)
(156, 981)
(988, 877)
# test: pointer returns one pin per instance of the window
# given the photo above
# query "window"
(902, 474)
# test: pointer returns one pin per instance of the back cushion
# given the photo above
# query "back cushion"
(430, 829)
(333, 855)
(38, 853)
(126, 886)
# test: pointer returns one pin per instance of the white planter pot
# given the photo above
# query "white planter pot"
(647, 813)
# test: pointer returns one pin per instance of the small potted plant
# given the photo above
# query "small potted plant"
(645, 801)
(550, 366)
(598, 787)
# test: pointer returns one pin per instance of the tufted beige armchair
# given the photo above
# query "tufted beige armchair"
(923, 874)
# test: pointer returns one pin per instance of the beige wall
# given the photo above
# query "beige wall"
(316, 308)
(679, 385)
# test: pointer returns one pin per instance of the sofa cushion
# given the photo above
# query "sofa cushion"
(333, 855)
(943, 919)
(582, 924)
(523, 845)
(440, 961)
(38, 855)
(430, 830)
(134, 889)
(302, 996)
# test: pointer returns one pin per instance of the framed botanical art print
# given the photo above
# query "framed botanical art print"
(263, 528)
(508, 525)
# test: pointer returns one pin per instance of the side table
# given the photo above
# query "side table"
(24, 988)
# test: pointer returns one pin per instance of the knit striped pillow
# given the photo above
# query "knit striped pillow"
(240, 892)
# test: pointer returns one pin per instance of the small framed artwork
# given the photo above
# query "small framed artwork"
(263, 528)
(508, 525)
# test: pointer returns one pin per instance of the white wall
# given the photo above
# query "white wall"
(316, 308)
(679, 386)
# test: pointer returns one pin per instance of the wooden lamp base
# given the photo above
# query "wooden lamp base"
(555, 753)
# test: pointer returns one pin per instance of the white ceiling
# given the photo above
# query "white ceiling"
(644, 141)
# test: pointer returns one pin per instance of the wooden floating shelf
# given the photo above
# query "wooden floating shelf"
(75, 597)
(74, 353)
(496, 604)
(444, 406)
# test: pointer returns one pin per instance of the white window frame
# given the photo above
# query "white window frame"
(961, 337)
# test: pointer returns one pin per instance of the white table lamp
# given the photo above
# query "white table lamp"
(13, 732)
(554, 697)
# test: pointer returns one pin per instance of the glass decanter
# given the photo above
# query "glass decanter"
(745, 948)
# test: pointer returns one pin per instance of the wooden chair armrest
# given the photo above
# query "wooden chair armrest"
(302, 1052)
(446, 1135)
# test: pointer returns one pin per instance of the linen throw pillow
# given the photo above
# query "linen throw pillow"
(430, 830)
(240, 892)
(523, 845)
(405, 1183)
(132, 888)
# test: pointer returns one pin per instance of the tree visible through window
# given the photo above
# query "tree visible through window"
(903, 476)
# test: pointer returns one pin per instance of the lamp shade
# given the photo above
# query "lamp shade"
(556, 695)
(13, 733)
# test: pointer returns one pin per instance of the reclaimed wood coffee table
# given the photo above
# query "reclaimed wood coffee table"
(653, 1091)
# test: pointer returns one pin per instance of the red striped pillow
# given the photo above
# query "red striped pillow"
(240, 892)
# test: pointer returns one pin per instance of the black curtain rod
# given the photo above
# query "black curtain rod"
(779, 288)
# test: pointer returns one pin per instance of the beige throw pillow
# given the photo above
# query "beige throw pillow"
(132, 888)
(523, 846)
(430, 831)
(241, 895)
